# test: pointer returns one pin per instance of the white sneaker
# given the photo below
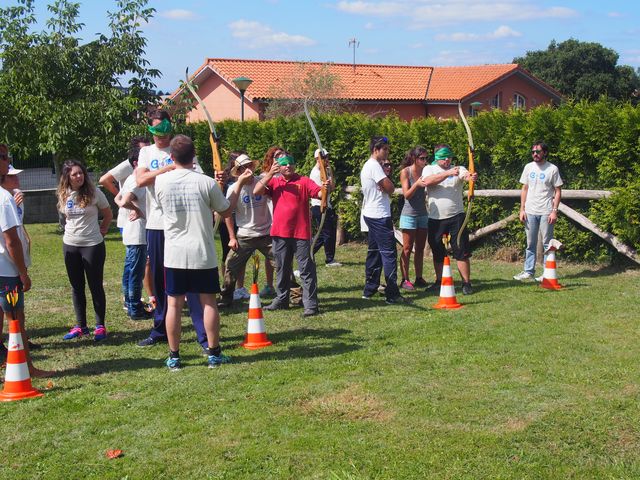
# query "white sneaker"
(539, 279)
(241, 294)
(523, 276)
(333, 264)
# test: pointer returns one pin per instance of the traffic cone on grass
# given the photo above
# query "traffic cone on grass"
(447, 292)
(17, 381)
(256, 336)
(549, 276)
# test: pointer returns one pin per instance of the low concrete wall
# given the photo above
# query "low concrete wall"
(40, 206)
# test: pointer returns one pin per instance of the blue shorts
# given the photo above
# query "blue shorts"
(409, 222)
(8, 284)
(179, 281)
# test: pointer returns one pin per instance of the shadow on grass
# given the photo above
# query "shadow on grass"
(601, 272)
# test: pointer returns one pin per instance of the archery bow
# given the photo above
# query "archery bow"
(323, 177)
(472, 170)
(213, 136)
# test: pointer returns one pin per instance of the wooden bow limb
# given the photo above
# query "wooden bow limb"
(214, 140)
(472, 170)
(323, 176)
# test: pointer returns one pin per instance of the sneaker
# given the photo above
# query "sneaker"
(148, 342)
(76, 332)
(268, 291)
(420, 283)
(434, 287)
(367, 297)
(407, 285)
(466, 288)
(523, 276)
(173, 364)
(333, 263)
(100, 333)
(539, 279)
(382, 288)
(144, 315)
(312, 312)
(241, 294)
(275, 306)
(215, 361)
(397, 300)
(225, 302)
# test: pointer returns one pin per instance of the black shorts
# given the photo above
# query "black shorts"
(179, 281)
(438, 228)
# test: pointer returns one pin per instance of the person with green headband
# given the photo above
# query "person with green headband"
(291, 230)
(445, 184)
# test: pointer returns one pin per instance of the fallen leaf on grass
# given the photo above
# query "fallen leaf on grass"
(111, 454)
(49, 385)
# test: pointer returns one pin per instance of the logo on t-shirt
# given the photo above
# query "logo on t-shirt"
(246, 198)
(542, 176)
(154, 164)
(532, 175)
(258, 197)
(69, 204)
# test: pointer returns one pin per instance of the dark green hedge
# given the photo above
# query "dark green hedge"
(596, 146)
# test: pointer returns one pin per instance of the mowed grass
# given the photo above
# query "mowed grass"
(520, 383)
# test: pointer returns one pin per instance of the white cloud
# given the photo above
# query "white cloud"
(369, 26)
(423, 13)
(257, 35)
(501, 32)
(446, 58)
(178, 14)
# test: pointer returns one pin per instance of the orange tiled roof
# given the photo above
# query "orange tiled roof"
(456, 83)
(378, 82)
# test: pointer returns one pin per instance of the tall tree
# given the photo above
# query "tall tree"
(583, 70)
(65, 97)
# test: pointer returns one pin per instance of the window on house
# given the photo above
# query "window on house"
(495, 101)
(519, 101)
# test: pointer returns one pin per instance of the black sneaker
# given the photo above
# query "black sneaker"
(397, 300)
(466, 288)
(142, 316)
(420, 283)
(225, 302)
(311, 312)
(434, 287)
(148, 342)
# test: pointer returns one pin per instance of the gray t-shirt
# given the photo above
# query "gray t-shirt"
(82, 228)
(253, 216)
(445, 198)
(414, 206)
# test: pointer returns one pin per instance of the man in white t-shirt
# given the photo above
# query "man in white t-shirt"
(327, 237)
(446, 214)
(14, 260)
(153, 161)
(187, 199)
(253, 219)
(539, 201)
(376, 213)
(133, 199)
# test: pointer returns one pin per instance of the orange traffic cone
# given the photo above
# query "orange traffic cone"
(17, 382)
(549, 276)
(256, 336)
(447, 292)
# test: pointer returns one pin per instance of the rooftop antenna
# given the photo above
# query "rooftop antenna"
(355, 44)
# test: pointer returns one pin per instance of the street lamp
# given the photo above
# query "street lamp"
(242, 83)
(475, 106)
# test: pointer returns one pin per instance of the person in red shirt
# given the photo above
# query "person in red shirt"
(291, 230)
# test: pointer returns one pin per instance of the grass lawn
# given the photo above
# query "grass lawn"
(520, 383)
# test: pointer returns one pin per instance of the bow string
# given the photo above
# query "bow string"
(472, 170)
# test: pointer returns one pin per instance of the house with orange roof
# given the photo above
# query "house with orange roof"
(408, 91)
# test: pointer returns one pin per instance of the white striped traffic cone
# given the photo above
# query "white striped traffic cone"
(17, 381)
(256, 336)
(447, 292)
(549, 276)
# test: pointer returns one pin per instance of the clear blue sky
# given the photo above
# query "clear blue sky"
(402, 32)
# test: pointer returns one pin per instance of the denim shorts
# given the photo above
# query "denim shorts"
(410, 222)
(8, 284)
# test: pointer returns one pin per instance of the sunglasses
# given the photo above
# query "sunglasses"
(536, 151)
(386, 165)
(423, 157)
